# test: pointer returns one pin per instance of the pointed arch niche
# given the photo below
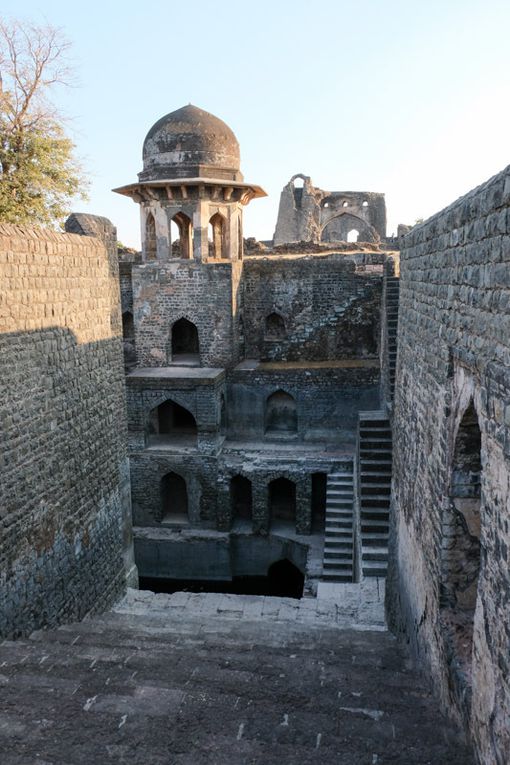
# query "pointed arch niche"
(150, 238)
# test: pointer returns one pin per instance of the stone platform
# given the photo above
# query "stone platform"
(217, 680)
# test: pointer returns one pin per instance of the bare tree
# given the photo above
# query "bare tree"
(39, 173)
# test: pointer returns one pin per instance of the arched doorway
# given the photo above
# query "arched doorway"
(171, 425)
(282, 500)
(181, 235)
(174, 499)
(347, 228)
(216, 236)
(281, 414)
(285, 579)
(185, 346)
(461, 539)
(241, 497)
(319, 486)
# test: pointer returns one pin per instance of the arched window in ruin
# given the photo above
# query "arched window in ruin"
(217, 238)
(174, 499)
(298, 184)
(181, 236)
(348, 228)
(461, 536)
(319, 484)
(150, 238)
(281, 414)
(185, 346)
(171, 425)
(241, 497)
(128, 336)
(282, 500)
(274, 327)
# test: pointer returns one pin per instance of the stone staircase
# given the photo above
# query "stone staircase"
(392, 299)
(338, 540)
(375, 456)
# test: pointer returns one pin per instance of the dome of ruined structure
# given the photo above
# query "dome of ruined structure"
(190, 143)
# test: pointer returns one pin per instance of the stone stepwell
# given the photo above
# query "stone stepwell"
(375, 461)
(216, 680)
(338, 534)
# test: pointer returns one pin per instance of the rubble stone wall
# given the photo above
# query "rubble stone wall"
(329, 311)
(64, 484)
(453, 359)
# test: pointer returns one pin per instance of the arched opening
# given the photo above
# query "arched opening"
(241, 497)
(185, 346)
(365, 203)
(298, 188)
(128, 336)
(181, 236)
(281, 414)
(274, 326)
(216, 235)
(282, 500)
(174, 499)
(348, 228)
(285, 579)
(150, 238)
(319, 484)
(171, 425)
(461, 538)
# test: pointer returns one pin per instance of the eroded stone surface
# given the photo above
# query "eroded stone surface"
(183, 686)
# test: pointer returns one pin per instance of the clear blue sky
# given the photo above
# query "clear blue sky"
(405, 97)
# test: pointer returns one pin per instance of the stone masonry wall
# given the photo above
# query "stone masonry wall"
(329, 310)
(65, 543)
(202, 294)
(453, 355)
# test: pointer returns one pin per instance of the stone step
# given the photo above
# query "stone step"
(375, 539)
(375, 568)
(374, 553)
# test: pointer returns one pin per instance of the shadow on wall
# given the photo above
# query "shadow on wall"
(63, 518)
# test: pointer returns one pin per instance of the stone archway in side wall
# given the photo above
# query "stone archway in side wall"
(337, 229)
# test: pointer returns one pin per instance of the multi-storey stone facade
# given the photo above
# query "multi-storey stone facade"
(65, 542)
(241, 363)
(450, 576)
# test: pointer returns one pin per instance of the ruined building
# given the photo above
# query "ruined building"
(309, 214)
(338, 416)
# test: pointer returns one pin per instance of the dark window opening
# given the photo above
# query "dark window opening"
(171, 424)
(281, 414)
(241, 497)
(150, 238)
(185, 346)
(319, 484)
(282, 500)
(275, 326)
(174, 499)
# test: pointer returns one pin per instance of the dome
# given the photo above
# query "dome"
(190, 143)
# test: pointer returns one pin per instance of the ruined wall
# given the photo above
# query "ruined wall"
(203, 294)
(327, 399)
(328, 310)
(309, 214)
(453, 368)
(65, 545)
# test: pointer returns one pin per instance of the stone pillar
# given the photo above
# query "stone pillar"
(260, 508)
